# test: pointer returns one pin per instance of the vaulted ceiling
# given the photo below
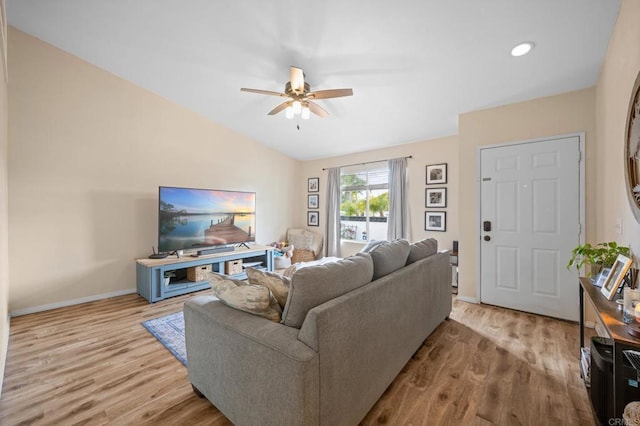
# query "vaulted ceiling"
(414, 65)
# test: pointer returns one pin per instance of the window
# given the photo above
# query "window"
(364, 202)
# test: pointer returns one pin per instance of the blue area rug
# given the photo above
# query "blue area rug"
(169, 330)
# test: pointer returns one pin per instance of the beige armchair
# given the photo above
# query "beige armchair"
(307, 245)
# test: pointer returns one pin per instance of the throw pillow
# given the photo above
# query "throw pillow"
(221, 282)
(254, 299)
(422, 249)
(278, 284)
(302, 256)
(318, 284)
(388, 257)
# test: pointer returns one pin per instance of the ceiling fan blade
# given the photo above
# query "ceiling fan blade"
(332, 93)
(297, 80)
(279, 108)
(317, 110)
(263, 92)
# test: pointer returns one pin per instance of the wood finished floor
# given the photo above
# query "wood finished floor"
(96, 364)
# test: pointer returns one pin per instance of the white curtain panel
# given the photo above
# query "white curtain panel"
(398, 220)
(333, 212)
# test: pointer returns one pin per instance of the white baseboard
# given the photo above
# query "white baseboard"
(467, 299)
(5, 349)
(66, 303)
(590, 324)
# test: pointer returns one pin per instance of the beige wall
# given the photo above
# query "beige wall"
(4, 212)
(87, 152)
(613, 94)
(84, 180)
(555, 115)
(443, 150)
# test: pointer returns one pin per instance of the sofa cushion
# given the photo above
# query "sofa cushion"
(297, 266)
(421, 249)
(317, 284)
(388, 257)
(278, 284)
(371, 245)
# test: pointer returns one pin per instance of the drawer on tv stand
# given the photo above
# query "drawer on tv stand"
(183, 287)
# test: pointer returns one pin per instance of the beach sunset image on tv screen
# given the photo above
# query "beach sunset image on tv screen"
(193, 218)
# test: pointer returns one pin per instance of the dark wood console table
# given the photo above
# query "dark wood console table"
(611, 318)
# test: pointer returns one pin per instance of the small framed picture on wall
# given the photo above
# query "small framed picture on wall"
(312, 201)
(314, 184)
(435, 221)
(435, 197)
(436, 173)
(313, 218)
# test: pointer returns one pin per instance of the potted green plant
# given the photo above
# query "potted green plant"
(597, 256)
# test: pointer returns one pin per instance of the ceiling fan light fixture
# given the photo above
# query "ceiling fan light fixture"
(289, 112)
(297, 107)
(306, 113)
(522, 48)
(300, 97)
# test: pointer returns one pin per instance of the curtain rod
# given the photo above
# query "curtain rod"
(368, 162)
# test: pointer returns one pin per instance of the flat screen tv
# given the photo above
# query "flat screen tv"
(191, 218)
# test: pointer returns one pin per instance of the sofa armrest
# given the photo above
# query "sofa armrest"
(252, 369)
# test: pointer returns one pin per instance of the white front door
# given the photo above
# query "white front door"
(529, 223)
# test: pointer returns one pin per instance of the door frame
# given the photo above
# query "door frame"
(581, 178)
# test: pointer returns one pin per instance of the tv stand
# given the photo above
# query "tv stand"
(153, 286)
(214, 250)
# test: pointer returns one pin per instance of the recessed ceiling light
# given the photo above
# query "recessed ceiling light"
(522, 48)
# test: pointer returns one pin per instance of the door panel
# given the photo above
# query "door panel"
(507, 207)
(545, 205)
(507, 267)
(545, 272)
(530, 193)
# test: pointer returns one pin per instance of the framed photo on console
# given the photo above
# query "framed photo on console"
(312, 201)
(616, 275)
(602, 277)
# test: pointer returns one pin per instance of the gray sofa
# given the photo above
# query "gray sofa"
(343, 339)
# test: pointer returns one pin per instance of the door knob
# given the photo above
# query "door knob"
(487, 238)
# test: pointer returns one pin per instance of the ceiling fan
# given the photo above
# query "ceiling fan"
(301, 97)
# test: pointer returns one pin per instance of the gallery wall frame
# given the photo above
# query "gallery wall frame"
(313, 184)
(312, 201)
(436, 174)
(435, 197)
(313, 218)
(435, 221)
